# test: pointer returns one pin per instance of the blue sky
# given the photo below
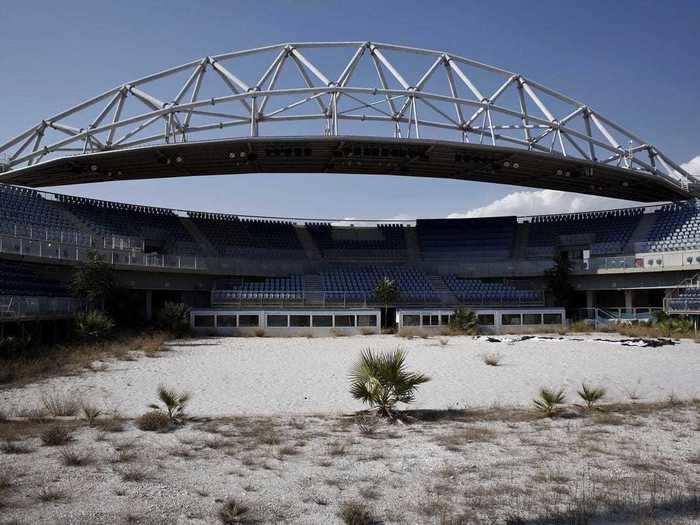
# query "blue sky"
(634, 61)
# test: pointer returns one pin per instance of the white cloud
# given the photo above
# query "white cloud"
(692, 166)
(542, 202)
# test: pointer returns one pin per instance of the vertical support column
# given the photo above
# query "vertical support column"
(629, 296)
(149, 305)
(590, 298)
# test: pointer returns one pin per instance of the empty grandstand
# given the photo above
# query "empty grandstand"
(515, 131)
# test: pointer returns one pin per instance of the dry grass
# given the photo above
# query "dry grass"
(233, 511)
(61, 404)
(355, 513)
(61, 360)
(409, 332)
(72, 457)
(133, 474)
(47, 495)
(492, 359)
(154, 421)
(55, 436)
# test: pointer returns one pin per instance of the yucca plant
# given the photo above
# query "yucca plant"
(590, 394)
(381, 380)
(549, 400)
(464, 321)
(173, 403)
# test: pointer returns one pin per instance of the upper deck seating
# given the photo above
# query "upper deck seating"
(677, 227)
(380, 240)
(471, 238)
(107, 219)
(23, 208)
(475, 291)
(233, 236)
(360, 282)
(607, 232)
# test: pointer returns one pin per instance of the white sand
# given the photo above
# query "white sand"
(230, 376)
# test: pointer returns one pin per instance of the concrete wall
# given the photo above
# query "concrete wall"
(231, 322)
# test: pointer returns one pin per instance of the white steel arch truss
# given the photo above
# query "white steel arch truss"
(518, 112)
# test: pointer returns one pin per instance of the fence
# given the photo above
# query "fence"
(19, 308)
(322, 299)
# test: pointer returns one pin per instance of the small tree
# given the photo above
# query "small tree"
(464, 321)
(381, 380)
(558, 279)
(93, 281)
(173, 317)
(387, 292)
(93, 325)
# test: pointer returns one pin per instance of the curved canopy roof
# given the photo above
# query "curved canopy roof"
(486, 122)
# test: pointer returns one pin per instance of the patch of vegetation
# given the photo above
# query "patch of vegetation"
(55, 436)
(464, 321)
(492, 359)
(154, 421)
(72, 457)
(549, 401)
(93, 325)
(591, 395)
(173, 404)
(355, 513)
(381, 380)
(174, 319)
(233, 511)
(60, 404)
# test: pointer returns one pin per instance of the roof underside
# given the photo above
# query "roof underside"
(351, 155)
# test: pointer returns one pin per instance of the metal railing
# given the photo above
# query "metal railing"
(28, 307)
(605, 316)
(299, 298)
(37, 233)
(76, 253)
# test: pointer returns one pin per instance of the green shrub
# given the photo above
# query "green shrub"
(464, 321)
(549, 400)
(93, 325)
(591, 395)
(174, 318)
(173, 403)
(382, 381)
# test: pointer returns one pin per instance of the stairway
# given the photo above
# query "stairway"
(522, 236)
(412, 245)
(312, 289)
(307, 242)
(641, 232)
(199, 237)
(439, 285)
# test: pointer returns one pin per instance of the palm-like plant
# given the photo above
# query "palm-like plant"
(381, 380)
(464, 321)
(387, 292)
(590, 394)
(173, 403)
(549, 400)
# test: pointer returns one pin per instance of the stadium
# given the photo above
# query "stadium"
(167, 355)
(353, 107)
